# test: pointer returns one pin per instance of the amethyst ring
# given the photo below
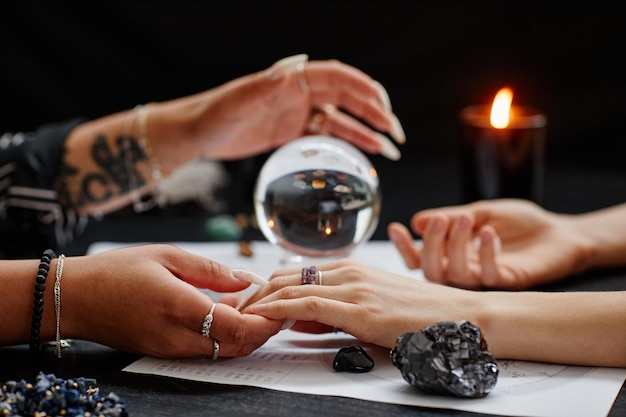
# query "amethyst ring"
(310, 274)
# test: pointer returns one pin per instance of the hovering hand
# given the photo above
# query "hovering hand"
(264, 110)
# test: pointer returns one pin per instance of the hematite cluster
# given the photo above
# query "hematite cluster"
(52, 396)
(447, 358)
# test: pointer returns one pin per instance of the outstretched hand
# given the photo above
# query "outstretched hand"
(373, 305)
(507, 243)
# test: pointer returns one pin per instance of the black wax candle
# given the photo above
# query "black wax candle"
(503, 162)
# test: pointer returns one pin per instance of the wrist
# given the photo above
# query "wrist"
(170, 133)
(501, 320)
(598, 240)
(585, 246)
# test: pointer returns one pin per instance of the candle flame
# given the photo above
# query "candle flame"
(501, 109)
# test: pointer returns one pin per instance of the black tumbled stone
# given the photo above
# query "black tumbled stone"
(352, 359)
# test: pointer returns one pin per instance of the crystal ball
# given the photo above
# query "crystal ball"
(317, 196)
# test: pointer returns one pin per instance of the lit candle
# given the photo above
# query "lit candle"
(503, 150)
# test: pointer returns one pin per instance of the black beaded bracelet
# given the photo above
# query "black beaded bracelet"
(40, 287)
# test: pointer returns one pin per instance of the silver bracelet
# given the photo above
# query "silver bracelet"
(57, 303)
(142, 128)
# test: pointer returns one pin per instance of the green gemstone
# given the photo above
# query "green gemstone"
(223, 228)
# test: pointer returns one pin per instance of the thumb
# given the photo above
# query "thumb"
(204, 273)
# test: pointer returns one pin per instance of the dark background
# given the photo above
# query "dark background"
(65, 59)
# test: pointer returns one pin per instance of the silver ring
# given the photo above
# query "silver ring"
(319, 116)
(208, 320)
(316, 121)
(319, 277)
(216, 349)
(304, 86)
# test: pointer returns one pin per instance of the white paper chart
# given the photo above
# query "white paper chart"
(298, 362)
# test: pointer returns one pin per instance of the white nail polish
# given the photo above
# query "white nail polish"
(388, 149)
(384, 96)
(396, 129)
(287, 66)
(248, 276)
(287, 324)
(497, 243)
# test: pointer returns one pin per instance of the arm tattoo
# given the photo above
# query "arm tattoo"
(113, 177)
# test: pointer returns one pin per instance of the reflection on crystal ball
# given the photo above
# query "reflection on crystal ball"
(317, 196)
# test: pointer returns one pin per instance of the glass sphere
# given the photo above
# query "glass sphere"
(317, 196)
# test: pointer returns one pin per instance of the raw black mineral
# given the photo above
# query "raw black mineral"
(352, 359)
(447, 358)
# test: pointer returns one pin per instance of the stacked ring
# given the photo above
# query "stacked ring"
(208, 320)
(309, 273)
(216, 349)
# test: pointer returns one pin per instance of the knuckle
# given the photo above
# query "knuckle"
(244, 350)
(351, 271)
(334, 63)
(173, 347)
(314, 304)
(236, 335)
(277, 282)
(345, 262)
(289, 292)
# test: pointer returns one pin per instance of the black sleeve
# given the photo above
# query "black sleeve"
(31, 218)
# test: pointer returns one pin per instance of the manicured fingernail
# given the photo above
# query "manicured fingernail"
(435, 224)
(388, 149)
(497, 244)
(257, 308)
(287, 324)
(384, 96)
(463, 223)
(397, 132)
(393, 235)
(287, 66)
(248, 276)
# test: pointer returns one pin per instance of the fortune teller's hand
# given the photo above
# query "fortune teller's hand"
(144, 299)
(264, 110)
(111, 161)
(508, 243)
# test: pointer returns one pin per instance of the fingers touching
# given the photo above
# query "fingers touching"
(488, 251)
(455, 249)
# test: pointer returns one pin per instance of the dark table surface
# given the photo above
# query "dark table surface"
(567, 190)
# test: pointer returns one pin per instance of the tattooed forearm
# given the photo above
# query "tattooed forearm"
(113, 172)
